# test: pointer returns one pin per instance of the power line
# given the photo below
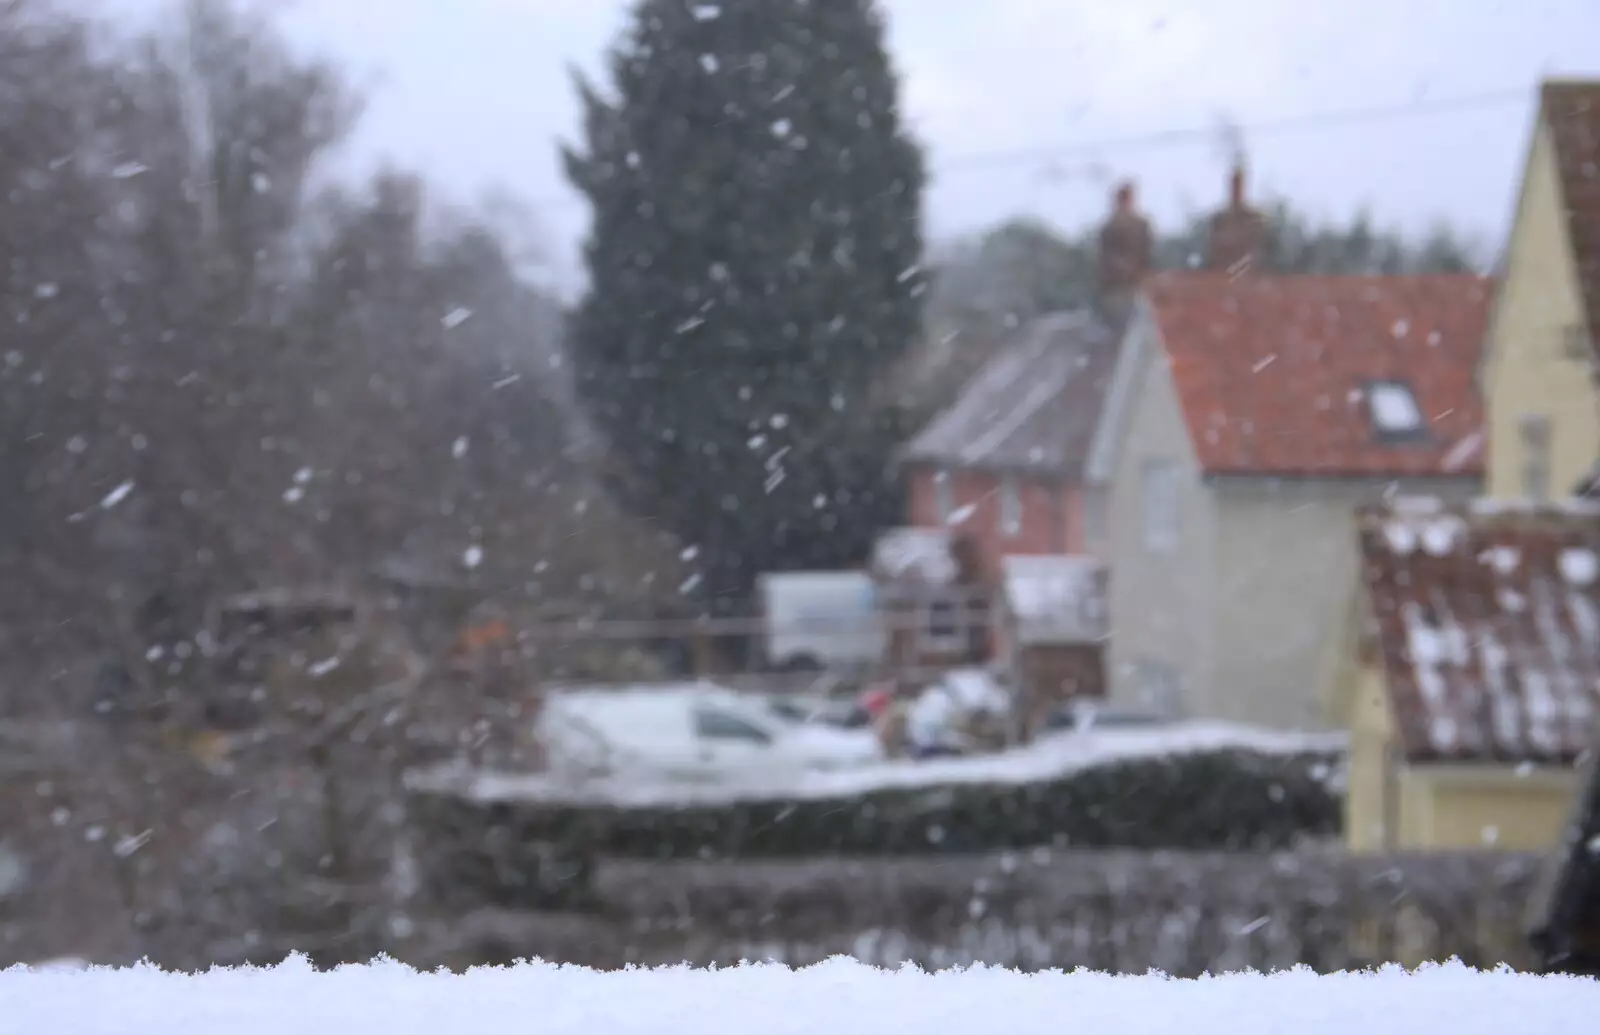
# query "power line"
(1190, 135)
(981, 161)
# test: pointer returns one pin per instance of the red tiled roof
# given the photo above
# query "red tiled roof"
(1571, 110)
(1272, 371)
(1487, 622)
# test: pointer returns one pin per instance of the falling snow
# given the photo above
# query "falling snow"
(116, 496)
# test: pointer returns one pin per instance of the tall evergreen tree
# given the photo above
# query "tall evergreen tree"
(754, 259)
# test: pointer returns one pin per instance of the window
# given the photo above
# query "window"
(942, 501)
(1158, 687)
(714, 725)
(1575, 343)
(1094, 517)
(1394, 410)
(1159, 485)
(1010, 506)
(1535, 428)
(944, 627)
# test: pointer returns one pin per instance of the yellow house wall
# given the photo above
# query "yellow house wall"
(1442, 807)
(1526, 367)
(1499, 809)
(1369, 738)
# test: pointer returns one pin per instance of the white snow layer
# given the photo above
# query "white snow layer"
(1051, 757)
(839, 996)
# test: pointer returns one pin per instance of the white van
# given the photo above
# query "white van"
(819, 619)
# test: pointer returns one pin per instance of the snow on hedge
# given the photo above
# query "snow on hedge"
(840, 997)
(1052, 757)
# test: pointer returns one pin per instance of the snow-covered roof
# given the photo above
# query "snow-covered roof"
(1056, 598)
(916, 554)
(1033, 406)
(1487, 624)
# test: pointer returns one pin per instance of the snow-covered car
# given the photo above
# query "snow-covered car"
(843, 713)
(696, 731)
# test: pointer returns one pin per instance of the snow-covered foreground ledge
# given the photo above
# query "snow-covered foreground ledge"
(840, 997)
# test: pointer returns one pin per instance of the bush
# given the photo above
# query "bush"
(1213, 800)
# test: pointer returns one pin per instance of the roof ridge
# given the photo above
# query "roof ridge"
(1222, 276)
(1569, 81)
(1479, 508)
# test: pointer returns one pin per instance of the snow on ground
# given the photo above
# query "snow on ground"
(1050, 757)
(840, 996)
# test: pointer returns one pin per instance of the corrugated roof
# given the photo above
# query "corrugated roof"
(916, 555)
(1034, 406)
(1571, 110)
(1056, 598)
(1291, 375)
(1487, 620)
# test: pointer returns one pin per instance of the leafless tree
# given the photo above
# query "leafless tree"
(219, 374)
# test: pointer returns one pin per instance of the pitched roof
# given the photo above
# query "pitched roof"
(1571, 110)
(1034, 406)
(1283, 375)
(1055, 598)
(1487, 627)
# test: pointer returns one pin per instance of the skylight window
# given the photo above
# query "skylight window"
(1395, 413)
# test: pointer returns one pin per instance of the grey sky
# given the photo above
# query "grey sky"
(475, 93)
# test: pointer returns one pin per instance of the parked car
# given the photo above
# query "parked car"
(1085, 715)
(696, 731)
(842, 713)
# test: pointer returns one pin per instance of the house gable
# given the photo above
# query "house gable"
(1538, 351)
(1140, 342)
(1160, 600)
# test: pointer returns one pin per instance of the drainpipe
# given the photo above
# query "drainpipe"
(1058, 516)
(1391, 795)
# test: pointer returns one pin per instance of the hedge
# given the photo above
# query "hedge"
(1205, 800)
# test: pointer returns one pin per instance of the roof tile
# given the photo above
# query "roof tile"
(1487, 624)
(1274, 372)
(1571, 110)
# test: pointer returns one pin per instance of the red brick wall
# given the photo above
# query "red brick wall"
(1052, 515)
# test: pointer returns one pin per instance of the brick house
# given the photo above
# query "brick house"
(1004, 463)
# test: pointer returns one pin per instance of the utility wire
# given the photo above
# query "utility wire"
(1191, 135)
(980, 161)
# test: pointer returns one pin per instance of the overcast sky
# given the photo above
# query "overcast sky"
(476, 94)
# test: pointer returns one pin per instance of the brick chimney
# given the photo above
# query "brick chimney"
(1238, 232)
(1126, 244)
